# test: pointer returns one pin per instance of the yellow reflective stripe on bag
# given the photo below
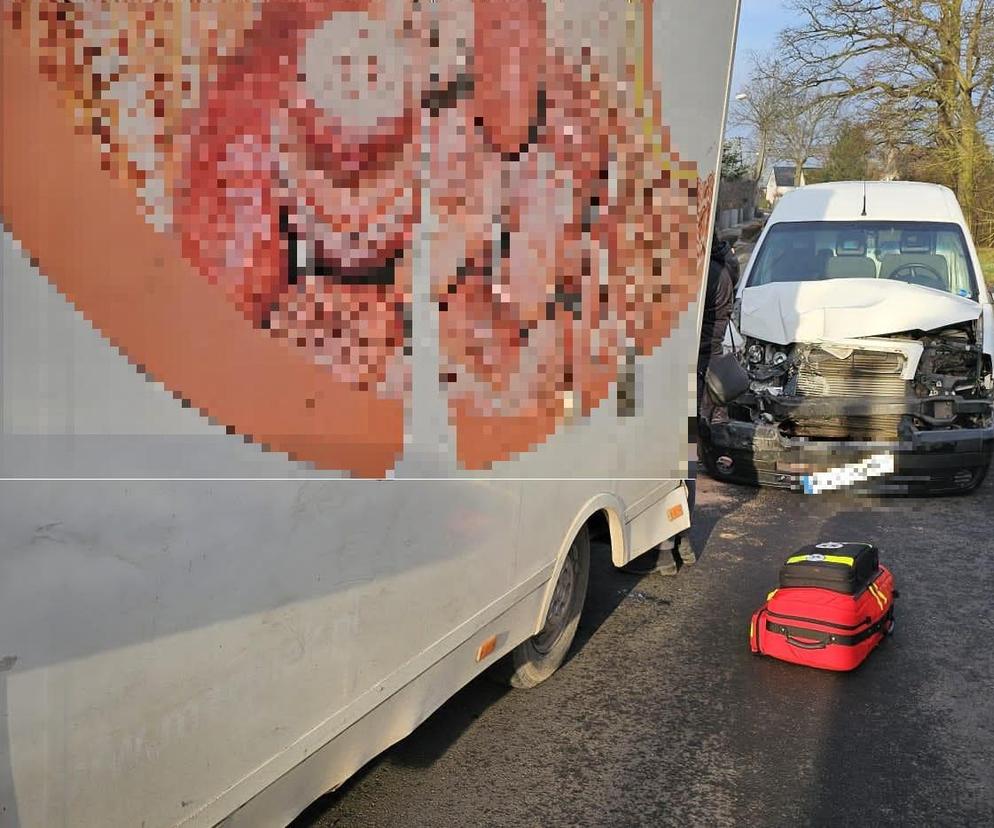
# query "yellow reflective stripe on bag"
(836, 559)
(769, 595)
(879, 595)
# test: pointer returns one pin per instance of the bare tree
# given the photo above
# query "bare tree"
(761, 110)
(925, 62)
(802, 134)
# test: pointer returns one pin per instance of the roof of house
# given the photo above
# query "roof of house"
(784, 176)
(885, 201)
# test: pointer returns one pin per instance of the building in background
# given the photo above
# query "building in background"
(781, 182)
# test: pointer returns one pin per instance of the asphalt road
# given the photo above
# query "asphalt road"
(662, 716)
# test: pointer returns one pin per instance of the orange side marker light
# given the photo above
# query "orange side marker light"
(486, 648)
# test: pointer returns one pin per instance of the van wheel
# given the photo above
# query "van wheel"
(980, 477)
(533, 661)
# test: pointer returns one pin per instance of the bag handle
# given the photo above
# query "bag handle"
(754, 622)
(805, 645)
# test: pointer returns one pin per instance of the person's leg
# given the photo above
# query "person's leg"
(705, 404)
(658, 559)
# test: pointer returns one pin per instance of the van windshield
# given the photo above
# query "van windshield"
(929, 254)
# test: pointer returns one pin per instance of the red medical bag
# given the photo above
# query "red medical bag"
(831, 609)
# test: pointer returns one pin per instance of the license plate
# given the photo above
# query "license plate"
(842, 477)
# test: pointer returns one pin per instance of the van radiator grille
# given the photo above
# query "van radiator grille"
(863, 374)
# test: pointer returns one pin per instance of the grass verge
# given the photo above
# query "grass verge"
(987, 263)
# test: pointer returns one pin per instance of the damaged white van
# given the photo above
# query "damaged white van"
(866, 336)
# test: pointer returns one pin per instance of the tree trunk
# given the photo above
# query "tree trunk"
(757, 175)
(966, 168)
(948, 123)
(760, 159)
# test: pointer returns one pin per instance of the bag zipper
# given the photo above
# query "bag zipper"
(830, 638)
(853, 595)
(864, 622)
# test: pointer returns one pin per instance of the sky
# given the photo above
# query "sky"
(760, 21)
(759, 24)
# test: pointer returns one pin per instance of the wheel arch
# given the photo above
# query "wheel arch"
(606, 507)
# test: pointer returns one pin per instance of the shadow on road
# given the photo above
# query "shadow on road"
(706, 733)
(889, 691)
(607, 588)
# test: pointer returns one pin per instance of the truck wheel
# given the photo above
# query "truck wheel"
(533, 661)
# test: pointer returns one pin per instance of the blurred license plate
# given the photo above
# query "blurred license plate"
(842, 477)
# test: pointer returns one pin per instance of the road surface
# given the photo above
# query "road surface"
(662, 717)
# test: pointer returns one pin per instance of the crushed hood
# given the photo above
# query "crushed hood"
(788, 312)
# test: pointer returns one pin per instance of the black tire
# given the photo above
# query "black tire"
(981, 476)
(534, 660)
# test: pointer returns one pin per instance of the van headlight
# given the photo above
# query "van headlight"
(779, 357)
(754, 353)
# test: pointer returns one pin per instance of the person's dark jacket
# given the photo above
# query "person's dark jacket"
(722, 251)
(718, 298)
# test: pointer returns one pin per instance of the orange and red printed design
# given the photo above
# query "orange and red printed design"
(235, 194)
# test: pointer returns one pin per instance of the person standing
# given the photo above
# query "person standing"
(724, 251)
(719, 296)
(723, 273)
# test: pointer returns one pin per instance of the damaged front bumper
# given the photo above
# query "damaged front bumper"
(940, 458)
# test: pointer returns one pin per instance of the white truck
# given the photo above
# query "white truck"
(327, 331)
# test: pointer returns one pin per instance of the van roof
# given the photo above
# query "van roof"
(885, 201)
